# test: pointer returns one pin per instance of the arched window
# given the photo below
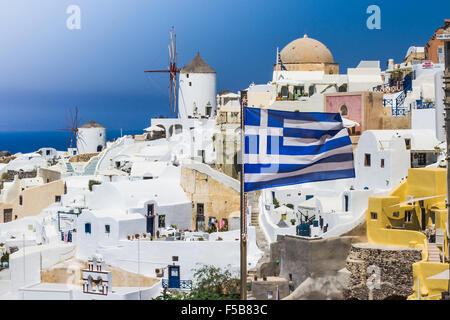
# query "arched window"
(343, 110)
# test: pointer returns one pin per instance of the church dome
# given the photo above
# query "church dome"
(306, 50)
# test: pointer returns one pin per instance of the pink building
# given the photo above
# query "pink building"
(364, 107)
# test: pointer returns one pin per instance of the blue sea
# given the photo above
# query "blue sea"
(30, 141)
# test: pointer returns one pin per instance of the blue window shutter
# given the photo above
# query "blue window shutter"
(87, 228)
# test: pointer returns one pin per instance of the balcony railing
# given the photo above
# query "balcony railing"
(184, 284)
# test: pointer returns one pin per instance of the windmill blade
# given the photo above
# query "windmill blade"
(68, 122)
(175, 95)
(76, 118)
(71, 117)
(170, 95)
(175, 51)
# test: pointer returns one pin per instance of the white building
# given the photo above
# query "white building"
(383, 157)
(308, 71)
(91, 138)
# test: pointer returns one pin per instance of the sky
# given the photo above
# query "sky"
(46, 68)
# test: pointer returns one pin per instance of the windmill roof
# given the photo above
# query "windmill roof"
(197, 65)
(92, 124)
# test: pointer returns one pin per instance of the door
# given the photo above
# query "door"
(150, 223)
(346, 203)
(200, 223)
(174, 277)
(424, 220)
(7, 215)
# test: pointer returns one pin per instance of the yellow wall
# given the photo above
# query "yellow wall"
(34, 200)
(421, 182)
(428, 287)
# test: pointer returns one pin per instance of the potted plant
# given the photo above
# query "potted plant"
(293, 221)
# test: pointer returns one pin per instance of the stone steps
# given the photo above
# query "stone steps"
(434, 255)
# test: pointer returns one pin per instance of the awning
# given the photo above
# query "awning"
(440, 276)
(153, 128)
(350, 123)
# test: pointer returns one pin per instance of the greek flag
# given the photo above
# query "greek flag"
(282, 67)
(284, 148)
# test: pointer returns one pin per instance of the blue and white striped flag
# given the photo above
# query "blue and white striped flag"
(280, 62)
(284, 148)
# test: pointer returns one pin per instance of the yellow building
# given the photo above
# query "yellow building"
(28, 197)
(414, 215)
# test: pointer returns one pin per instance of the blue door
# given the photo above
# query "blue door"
(150, 222)
(174, 277)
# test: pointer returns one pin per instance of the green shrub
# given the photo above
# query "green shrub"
(93, 182)
(275, 202)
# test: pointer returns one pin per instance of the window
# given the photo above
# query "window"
(190, 84)
(367, 160)
(396, 214)
(47, 152)
(343, 110)
(422, 160)
(200, 209)
(162, 221)
(298, 92)
(284, 92)
(269, 295)
(187, 75)
(312, 90)
(382, 163)
(20, 200)
(57, 198)
(107, 228)
(308, 196)
(408, 216)
(373, 215)
(87, 228)
(7, 215)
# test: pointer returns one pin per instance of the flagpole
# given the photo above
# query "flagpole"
(243, 212)
(276, 70)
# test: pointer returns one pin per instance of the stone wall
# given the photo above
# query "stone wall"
(303, 258)
(395, 270)
(22, 175)
(218, 199)
(85, 157)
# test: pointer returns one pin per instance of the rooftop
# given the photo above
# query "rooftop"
(197, 65)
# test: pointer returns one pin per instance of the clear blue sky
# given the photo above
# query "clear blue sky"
(46, 68)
